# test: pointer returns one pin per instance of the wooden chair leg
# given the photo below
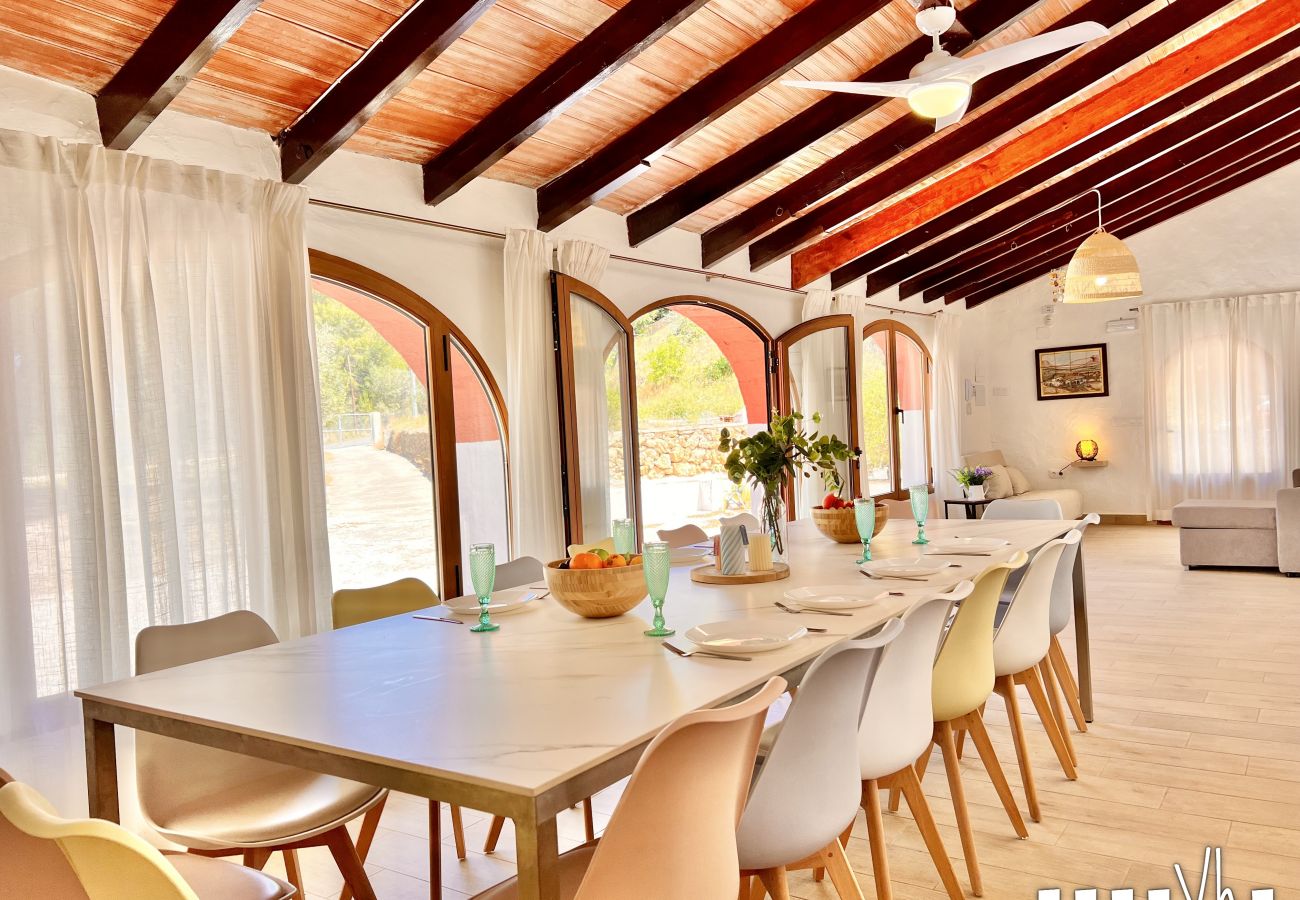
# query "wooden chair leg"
(1038, 695)
(1006, 687)
(876, 837)
(256, 858)
(588, 821)
(1058, 707)
(494, 834)
(292, 872)
(1069, 686)
(365, 837)
(819, 872)
(745, 882)
(922, 763)
(980, 736)
(458, 832)
(756, 889)
(911, 787)
(842, 877)
(345, 856)
(774, 882)
(943, 736)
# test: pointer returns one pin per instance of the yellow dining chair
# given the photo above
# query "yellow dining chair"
(44, 855)
(353, 606)
(963, 680)
(219, 803)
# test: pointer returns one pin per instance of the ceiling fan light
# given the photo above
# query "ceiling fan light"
(1102, 269)
(938, 99)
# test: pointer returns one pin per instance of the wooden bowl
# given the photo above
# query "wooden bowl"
(596, 593)
(840, 526)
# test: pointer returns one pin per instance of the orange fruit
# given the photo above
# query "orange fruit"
(617, 561)
(586, 561)
(635, 560)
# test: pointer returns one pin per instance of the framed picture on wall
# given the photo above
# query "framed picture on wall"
(1067, 372)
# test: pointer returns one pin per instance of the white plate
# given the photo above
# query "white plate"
(906, 568)
(833, 596)
(681, 555)
(503, 602)
(967, 545)
(741, 637)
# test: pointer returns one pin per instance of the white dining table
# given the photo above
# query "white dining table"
(523, 722)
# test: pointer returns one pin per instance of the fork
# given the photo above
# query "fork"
(894, 577)
(687, 654)
(440, 619)
(816, 612)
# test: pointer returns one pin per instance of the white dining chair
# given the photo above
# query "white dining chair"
(1020, 647)
(750, 521)
(806, 791)
(219, 803)
(673, 833)
(519, 572)
(684, 536)
(897, 729)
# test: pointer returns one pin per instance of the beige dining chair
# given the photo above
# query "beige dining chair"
(218, 803)
(673, 833)
(43, 855)
(684, 536)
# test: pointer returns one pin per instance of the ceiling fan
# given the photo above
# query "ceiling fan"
(940, 86)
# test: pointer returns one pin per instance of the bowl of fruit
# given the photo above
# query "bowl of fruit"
(596, 583)
(835, 519)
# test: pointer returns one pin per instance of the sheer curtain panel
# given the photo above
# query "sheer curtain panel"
(948, 388)
(1222, 398)
(160, 449)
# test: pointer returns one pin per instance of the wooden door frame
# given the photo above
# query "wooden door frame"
(781, 377)
(442, 428)
(563, 287)
(894, 328)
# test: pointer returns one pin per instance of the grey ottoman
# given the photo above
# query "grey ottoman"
(1227, 533)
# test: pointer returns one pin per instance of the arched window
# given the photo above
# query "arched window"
(414, 433)
(701, 366)
(896, 398)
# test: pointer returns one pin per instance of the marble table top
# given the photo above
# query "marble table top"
(548, 696)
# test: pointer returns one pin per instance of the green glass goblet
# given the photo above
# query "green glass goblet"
(656, 560)
(624, 537)
(483, 572)
(920, 497)
(864, 514)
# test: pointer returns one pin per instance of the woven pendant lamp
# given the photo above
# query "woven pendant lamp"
(1102, 269)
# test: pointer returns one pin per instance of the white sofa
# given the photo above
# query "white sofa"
(1071, 500)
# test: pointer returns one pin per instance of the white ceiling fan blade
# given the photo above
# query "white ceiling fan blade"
(870, 88)
(982, 64)
(954, 117)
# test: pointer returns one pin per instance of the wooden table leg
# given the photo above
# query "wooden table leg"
(537, 848)
(1082, 646)
(101, 770)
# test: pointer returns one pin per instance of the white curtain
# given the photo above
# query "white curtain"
(160, 448)
(946, 430)
(536, 501)
(599, 346)
(1222, 398)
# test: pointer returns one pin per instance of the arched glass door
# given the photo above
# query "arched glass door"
(817, 373)
(701, 366)
(595, 374)
(412, 423)
(896, 405)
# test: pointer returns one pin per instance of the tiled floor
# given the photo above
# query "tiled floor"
(1196, 743)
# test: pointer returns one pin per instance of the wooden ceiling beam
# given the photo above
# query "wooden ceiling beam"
(1141, 223)
(1189, 62)
(1137, 193)
(981, 20)
(727, 237)
(895, 261)
(173, 53)
(623, 158)
(406, 50)
(1151, 157)
(618, 39)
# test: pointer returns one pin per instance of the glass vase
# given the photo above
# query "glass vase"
(775, 523)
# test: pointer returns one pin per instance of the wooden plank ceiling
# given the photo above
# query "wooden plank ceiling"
(683, 98)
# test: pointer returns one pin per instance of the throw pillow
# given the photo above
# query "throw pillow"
(998, 485)
(1019, 483)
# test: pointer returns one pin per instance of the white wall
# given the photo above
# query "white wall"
(1242, 243)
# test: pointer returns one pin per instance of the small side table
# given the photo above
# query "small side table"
(971, 507)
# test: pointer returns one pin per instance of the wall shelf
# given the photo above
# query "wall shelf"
(1090, 464)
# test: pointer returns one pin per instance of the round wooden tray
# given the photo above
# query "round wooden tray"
(710, 575)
